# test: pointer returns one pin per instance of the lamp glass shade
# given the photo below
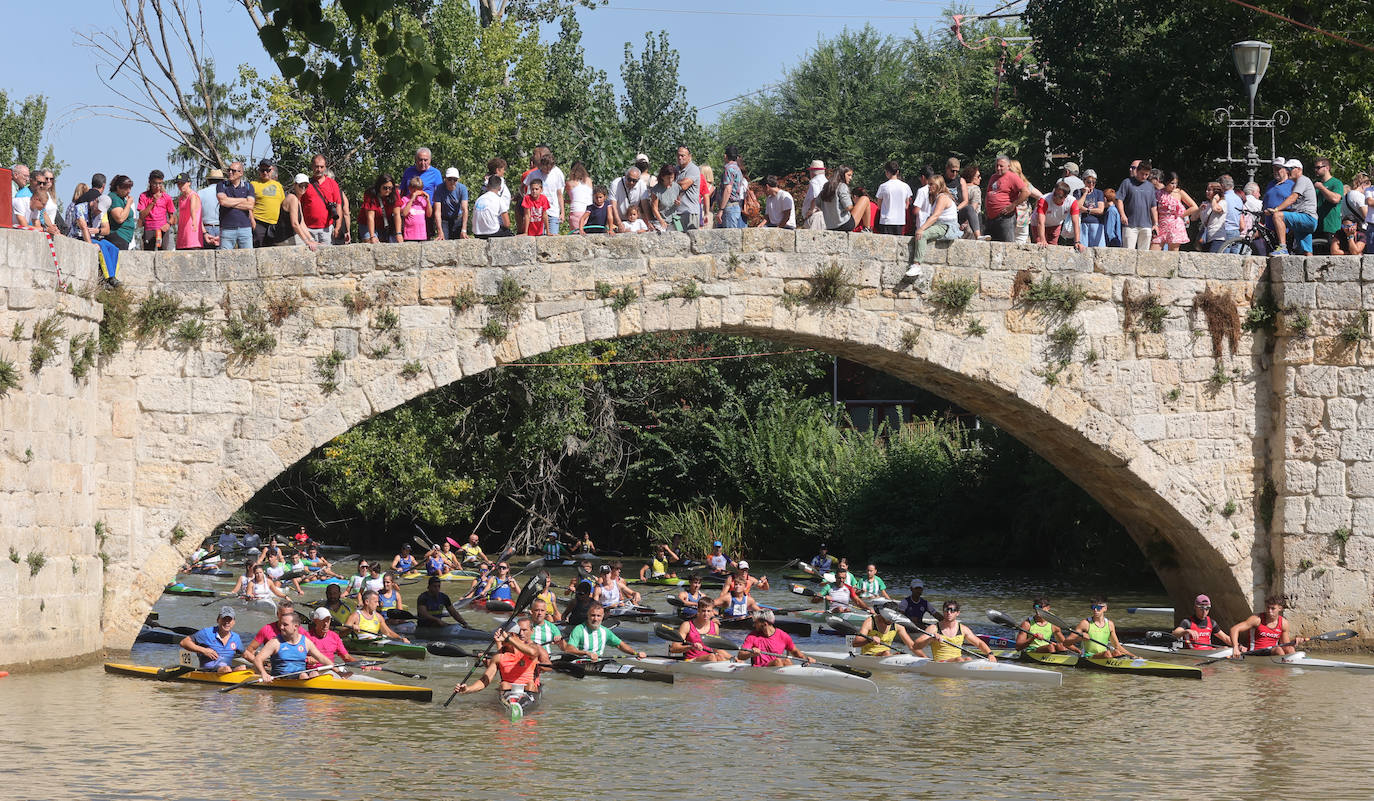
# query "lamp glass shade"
(1252, 59)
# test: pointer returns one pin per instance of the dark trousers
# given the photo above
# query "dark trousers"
(894, 230)
(1003, 229)
(500, 232)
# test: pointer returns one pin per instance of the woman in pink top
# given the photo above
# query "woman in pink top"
(410, 213)
(190, 232)
(156, 213)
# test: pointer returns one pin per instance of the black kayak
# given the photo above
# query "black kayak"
(613, 669)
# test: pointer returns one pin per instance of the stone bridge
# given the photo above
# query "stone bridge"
(1237, 475)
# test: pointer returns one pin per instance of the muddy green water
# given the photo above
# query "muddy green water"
(1245, 731)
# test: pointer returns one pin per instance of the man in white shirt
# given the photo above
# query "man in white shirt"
(893, 197)
(922, 202)
(489, 214)
(627, 191)
(811, 204)
(1069, 175)
(781, 209)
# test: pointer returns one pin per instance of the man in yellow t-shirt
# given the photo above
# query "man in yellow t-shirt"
(267, 208)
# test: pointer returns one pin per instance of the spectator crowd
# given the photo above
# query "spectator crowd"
(1147, 210)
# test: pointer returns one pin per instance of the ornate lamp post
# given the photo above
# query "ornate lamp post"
(1252, 60)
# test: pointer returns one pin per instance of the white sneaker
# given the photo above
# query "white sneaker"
(914, 271)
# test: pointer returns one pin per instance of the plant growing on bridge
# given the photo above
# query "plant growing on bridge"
(17, 333)
(1064, 338)
(509, 299)
(245, 332)
(156, 315)
(1223, 318)
(46, 334)
(36, 560)
(976, 328)
(954, 294)
(356, 303)
(1356, 330)
(386, 319)
(327, 366)
(411, 369)
(188, 334)
(686, 290)
(909, 338)
(282, 305)
(178, 534)
(1062, 296)
(1218, 379)
(9, 377)
(1229, 509)
(83, 348)
(604, 290)
(1263, 314)
(831, 287)
(14, 555)
(494, 332)
(1296, 320)
(1145, 310)
(114, 325)
(465, 299)
(622, 298)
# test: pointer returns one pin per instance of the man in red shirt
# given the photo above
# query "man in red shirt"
(1006, 190)
(323, 206)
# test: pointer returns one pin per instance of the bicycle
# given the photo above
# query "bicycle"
(1259, 241)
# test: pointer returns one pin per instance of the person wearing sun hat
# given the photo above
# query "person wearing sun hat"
(811, 206)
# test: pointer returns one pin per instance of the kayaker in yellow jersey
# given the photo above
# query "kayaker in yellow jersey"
(1100, 628)
(946, 636)
(876, 635)
(549, 598)
(369, 621)
(472, 552)
(742, 575)
(1044, 636)
(691, 630)
(657, 566)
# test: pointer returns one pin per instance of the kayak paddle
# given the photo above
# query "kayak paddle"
(1330, 636)
(1064, 626)
(896, 618)
(527, 596)
(381, 667)
(183, 630)
(1006, 620)
(255, 679)
(840, 666)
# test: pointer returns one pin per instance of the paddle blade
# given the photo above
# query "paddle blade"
(843, 668)
(1336, 636)
(840, 624)
(719, 642)
(667, 632)
(529, 593)
(893, 616)
(1002, 619)
(447, 649)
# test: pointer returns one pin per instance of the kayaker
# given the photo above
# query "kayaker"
(517, 663)
(227, 541)
(823, 562)
(691, 594)
(326, 640)
(946, 636)
(553, 549)
(718, 561)
(582, 602)
(769, 646)
(679, 552)
(451, 559)
(216, 645)
(1199, 631)
(585, 545)
(375, 580)
(335, 604)
(876, 635)
(870, 586)
(390, 595)
(839, 594)
(241, 585)
(542, 629)
(501, 586)
(287, 653)
(657, 566)
(916, 607)
(548, 597)
(319, 566)
(691, 630)
(301, 538)
(472, 551)
(1270, 631)
(741, 575)
(262, 588)
(738, 603)
(612, 590)
(1043, 637)
(251, 540)
(433, 602)
(358, 582)
(369, 621)
(434, 562)
(583, 572)
(272, 630)
(1096, 629)
(403, 562)
(590, 639)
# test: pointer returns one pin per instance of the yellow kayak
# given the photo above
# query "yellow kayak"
(452, 575)
(328, 684)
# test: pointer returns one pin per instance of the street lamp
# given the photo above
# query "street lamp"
(1252, 60)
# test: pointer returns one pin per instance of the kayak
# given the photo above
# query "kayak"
(490, 605)
(159, 636)
(1150, 610)
(325, 582)
(804, 675)
(979, 669)
(630, 610)
(1177, 652)
(328, 684)
(821, 616)
(209, 571)
(517, 702)
(706, 583)
(1058, 660)
(615, 669)
(453, 631)
(383, 646)
(178, 588)
(799, 576)
(452, 575)
(1140, 667)
(1300, 659)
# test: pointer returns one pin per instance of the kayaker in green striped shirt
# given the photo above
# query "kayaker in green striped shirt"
(542, 630)
(590, 639)
(870, 586)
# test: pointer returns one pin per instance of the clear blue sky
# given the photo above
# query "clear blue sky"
(762, 38)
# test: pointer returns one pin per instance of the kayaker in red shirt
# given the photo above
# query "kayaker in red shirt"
(517, 663)
(1271, 633)
(1199, 631)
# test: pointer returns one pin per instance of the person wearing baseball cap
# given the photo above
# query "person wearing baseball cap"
(742, 577)
(268, 194)
(718, 561)
(914, 606)
(1296, 215)
(1199, 631)
(811, 205)
(451, 207)
(822, 562)
(216, 645)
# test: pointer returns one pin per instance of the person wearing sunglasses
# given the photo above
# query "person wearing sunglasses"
(946, 637)
(1097, 634)
(1199, 631)
(1039, 634)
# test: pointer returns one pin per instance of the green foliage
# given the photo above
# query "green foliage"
(1219, 378)
(909, 338)
(21, 128)
(622, 298)
(1296, 320)
(1262, 314)
(604, 290)
(9, 376)
(226, 116)
(83, 349)
(1173, 395)
(509, 299)
(583, 122)
(380, 352)
(699, 524)
(1064, 338)
(189, 333)
(411, 369)
(465, 299)
(831, 287)
(36, 560)
(386, 319)
(327, 366)
(1061, 296)
(494, 332)
(954, 294)
(1353, 332)
(281, 305)
(1229, 509)
(245, 332)
(1341, 535)
(1144, 313)
(656, 115)
(178, 534)
(156, 315)
(118, 319)
(1304, 564)
(14, 555)
(685, 290)
(17, 333)
(47, 333)
(976, 328)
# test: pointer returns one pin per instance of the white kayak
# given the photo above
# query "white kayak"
(452, 631)
(979, 669)
(1300, 659)
(1177, 652)
(806, 675)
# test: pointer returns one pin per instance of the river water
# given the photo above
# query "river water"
(1248, 730)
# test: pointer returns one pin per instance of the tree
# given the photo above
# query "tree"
(654, 109)
(1122, 79)
(21, 128)
(225, 108)
(582, 119)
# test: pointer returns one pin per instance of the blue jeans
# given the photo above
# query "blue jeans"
(1300, 229)
(236, 239)
(732, 216)
(551, 226)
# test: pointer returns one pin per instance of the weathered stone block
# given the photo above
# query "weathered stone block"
(1333, 268)
(1156, 263)
(1288, 269)
(566, 249)
(296, 260)
(826, 242)
(1343, 295)
(696, 268)
(770, 240)
(1340, 413)
(1331, 478)
(512, 250)
(185, 265)
(717, 240)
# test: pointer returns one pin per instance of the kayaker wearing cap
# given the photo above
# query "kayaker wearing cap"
(692, 648)
(612, 590)
(718, 561)
(272, 630)
(916, 607)
(946, 636)
(369, 621)
(472, 551)
(543, 631)
(876, 635)
(692, 593)
(1044, 636)
(823, 562)
(1199, 630)
(288, 652)
(403, 561)
(589, 639)
(840, 594)
(301, 537)
(741, 575)
(582, 601)
(326, 641)
(1092, 631)
(517, 662)
(870, 586)
(216, 645)
(553, 549)
(737, 602)
(1270, 629)
(657, 566)
(765, 641)
(433, 602)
